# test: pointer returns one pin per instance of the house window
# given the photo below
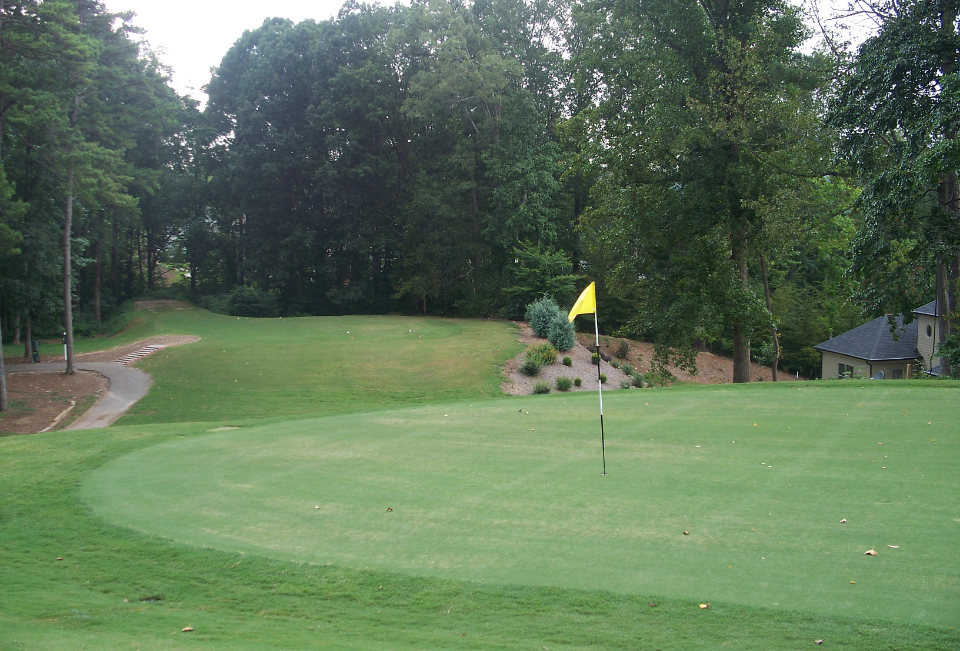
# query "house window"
(898, 374)
(846, 370)
(929, 332)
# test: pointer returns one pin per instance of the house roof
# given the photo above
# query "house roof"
(930, 309)
(873, 342)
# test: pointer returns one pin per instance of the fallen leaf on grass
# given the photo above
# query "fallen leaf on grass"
(844, 521)
(389, 509)
(870, 552)
(894, 546)
(853, 583)
(652, 605)
(186, 629)
(818, 641)
(686, 533)
(704, 606)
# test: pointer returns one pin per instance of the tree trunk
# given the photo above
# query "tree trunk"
(27, 343)
(16, 331)
(67, 294)
(3, 381)
(97, 268)
(741, 341)
(773, 329)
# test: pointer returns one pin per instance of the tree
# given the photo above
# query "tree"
(702, 116)
(898, 108)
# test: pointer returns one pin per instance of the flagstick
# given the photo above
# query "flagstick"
(603, 452)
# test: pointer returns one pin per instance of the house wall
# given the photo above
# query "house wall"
(830, 366)
(927, 344)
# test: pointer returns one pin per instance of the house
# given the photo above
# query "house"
(871, 348)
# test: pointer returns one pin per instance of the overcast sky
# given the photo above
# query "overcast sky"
(193, 36)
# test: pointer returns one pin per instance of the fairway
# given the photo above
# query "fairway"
(509, 492)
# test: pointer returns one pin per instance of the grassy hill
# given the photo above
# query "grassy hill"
(502, 534)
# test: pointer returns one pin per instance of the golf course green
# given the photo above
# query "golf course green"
(372, 489)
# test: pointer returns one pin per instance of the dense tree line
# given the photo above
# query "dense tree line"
(723, 187)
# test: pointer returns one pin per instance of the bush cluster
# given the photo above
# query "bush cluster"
(577, 382)
(623, 350)
(541, 387)
(549, 322)
(567, 361)
(563, 383)
(243, 301)
(530, 368)
(542, 354)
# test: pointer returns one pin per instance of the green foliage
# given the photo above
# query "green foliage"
(595, 359)
(567, 361)
(623, 349)
(562, 334)
(638, 380)
(603, 378)
(529, 367)
(542, 354)
(577, 382)
(627, 369)
(625, 384)
(950, 348)
(537, 272)
(541, 314)
(249, 301)
(563, 383)
(540, 387)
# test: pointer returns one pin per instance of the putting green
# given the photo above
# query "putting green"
(510, 491)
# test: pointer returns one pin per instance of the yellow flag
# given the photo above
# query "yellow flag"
(586, 304)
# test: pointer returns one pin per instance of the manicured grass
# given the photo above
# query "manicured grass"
(117, 588)
(510, 492)
(439, 573)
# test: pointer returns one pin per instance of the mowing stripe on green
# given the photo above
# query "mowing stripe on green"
(509, 492)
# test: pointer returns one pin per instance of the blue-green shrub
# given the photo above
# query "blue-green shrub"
(561, 333)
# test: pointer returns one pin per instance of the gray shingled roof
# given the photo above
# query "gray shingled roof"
(930, 309)
(873, 342)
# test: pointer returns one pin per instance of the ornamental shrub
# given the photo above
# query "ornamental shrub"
(625, 384)
(541, 387)
(563, 383)
(529, 367)
(540, 314)
(627, 369)
(595, 358)
(561, 333)
(577, 382)
(638, 380)
(542, 354)
(623, 350)
(603, 378)
(567, 361)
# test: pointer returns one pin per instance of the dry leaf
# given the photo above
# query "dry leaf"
(389, 509)
(186, 629)
(686, 533)
(818, 641)
(844, 521)
(853, 583)
(59, 558)
(652, 605)
(894, 546)
(704, 606)
(870, 552)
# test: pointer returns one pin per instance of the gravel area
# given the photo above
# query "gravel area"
(581, 367)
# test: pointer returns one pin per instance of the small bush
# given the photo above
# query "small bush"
(638, 380)
(541, 387)
(595, 358)
(540, 314)
(247, 301)
(563, 383)
(627, 369)
(623, 350)
(625, 384)
(577, 382)
(542, 354)
(614, 363)
(529, 367)
(567, 361)
(562, 334)
(603, 378)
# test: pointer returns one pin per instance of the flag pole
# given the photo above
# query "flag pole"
(603, 451)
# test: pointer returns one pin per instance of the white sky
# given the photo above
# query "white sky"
(192, 37)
